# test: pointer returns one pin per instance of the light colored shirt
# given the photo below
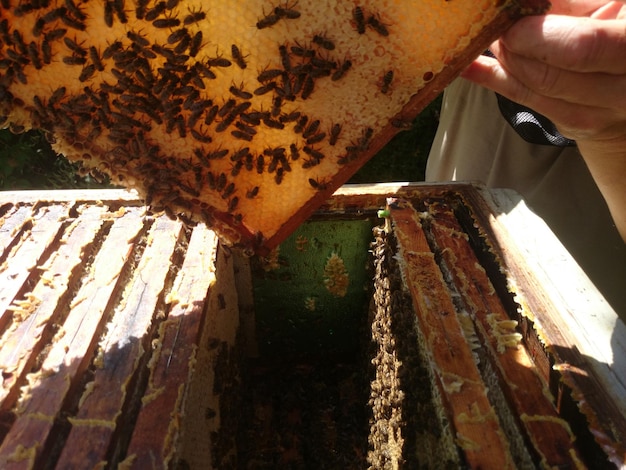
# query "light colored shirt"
(475, 143)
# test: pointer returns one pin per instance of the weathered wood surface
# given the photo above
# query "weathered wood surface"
(102, 308)
(154, 439)
(583, 334)
(94, 293)
(477, 428)
(527, 393)
(123, 352)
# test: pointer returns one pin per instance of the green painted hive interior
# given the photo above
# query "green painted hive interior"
(299, 304)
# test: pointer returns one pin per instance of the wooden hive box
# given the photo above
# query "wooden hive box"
(133, 341)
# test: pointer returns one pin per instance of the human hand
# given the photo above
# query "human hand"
(570, 69)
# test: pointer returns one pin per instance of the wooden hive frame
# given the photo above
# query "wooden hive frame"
(244, 116)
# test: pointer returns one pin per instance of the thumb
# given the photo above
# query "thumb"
(610, 11)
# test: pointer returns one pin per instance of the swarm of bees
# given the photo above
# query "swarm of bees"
(243, 116)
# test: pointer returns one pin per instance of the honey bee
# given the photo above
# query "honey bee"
(291, 117)
(240, 154)
(118, 6)
(217, 154)
(240, 92)
(299, 127)
(335, 130)
(316, 138)
(377, 26)
(112, 49)
(245, 128)
(316, 154)
(293, 151)
(241, 108)
(236, 168)
(262, 90)
(194, 17)
(386, 82)
(302, 51)
(108, 13)
(252, 193)
(200, 136)
(260, 164)
(268, 21)
(307, 87)
(365, 138)
(341, 71)
(177, 35)
(311, 129)
(284, 57)
(270, 74)
(401, 123)
(155, 12)
(228, 190)
(137, 39)
(287, 12)
(196, 42)
(324, 42)
(271, 123)
(277, 102)
(33, 54)
(317, 184)
(75, 48)
(95, 58)
(76, 23)
(232, 204)
(359, 20)
(227, 121)
(140, 8)
(87, 72)
(241, 135)
(280, 174)
(238, 57)
(226, 107)
(74, 60)
(164, 23)
(310, 163)
(219, 62)
(221, 182)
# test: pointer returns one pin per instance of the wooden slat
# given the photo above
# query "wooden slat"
(153, 442)
(478, 430)
(10, 226)
(122, 351)
(72, 349)
(94, 196)
(546, 432)
(20, 345)
(27, 253)
(583, 333)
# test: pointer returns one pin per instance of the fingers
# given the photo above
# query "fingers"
(611, 10)
(570, 43)
(597, 89)
(575, 7)
(575, 121)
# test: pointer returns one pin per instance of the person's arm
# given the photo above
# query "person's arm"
(573, 71)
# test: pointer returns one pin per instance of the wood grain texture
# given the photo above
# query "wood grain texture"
(476, 424)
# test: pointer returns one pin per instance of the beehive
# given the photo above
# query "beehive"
(131, 341)
(245, 116)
